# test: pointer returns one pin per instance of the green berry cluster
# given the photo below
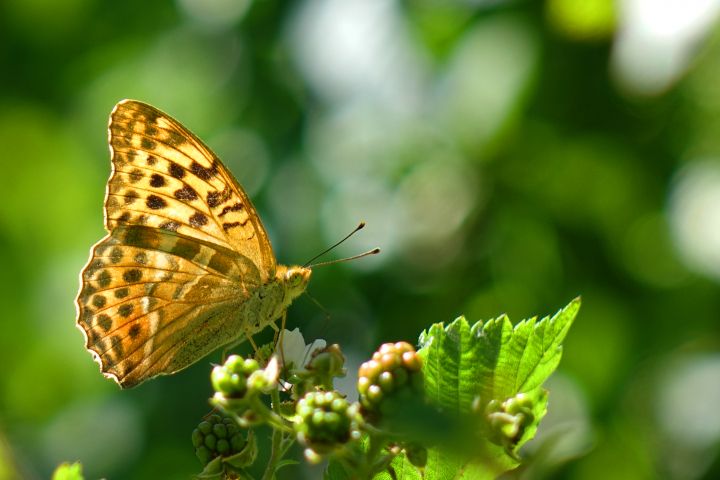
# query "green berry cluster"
(325, 420)
(217, 437)
(509, 419)
(394, 368)
(231, 379)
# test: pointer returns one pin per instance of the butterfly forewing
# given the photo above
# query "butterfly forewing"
(165, 177)
(185, 249)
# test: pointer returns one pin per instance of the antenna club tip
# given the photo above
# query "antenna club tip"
(374, 251)
(361, 225)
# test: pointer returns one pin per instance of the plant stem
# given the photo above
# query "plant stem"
(276, 452)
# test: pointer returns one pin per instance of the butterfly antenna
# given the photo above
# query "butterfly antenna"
(374, 251)
(360, 226)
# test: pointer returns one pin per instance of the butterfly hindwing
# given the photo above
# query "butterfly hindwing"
(146, 291)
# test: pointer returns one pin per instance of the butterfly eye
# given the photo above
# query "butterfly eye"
(293, 277)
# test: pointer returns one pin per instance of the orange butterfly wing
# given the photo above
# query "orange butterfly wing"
(185, 249)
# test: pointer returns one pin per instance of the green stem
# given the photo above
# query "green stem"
(277, 451)
(272, 417)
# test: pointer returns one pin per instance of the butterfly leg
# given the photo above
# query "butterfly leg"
(279, 335)
(252, 342)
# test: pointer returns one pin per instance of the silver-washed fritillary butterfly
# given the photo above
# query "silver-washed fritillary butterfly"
(186, 267)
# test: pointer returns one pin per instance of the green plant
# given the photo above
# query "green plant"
(461, 406)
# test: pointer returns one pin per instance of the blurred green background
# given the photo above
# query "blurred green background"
(507, 156)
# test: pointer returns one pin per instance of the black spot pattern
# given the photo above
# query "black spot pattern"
(135, 175)
(170, 225)
(104, 278)
(229, 225)
(116, 346)
(99, 301)
(176, 170)
(157, 180)
(134, 331)
(132, 276)
(198, 220)
(125, 309)
(130, 196)
(104, 321)
(116, 254)
(214, 199)
(186, 193)
(231, 208)
(155, 203)
(122, 292)
(202, 172)
(175, 139)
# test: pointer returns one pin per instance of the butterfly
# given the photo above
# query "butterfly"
(186, 266)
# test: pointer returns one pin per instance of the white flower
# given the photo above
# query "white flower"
(294, 353)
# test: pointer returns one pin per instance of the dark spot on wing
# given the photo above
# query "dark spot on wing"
(130, 196)
(175, 139)
(134, 331)
(170, 225)
(186, 193)
(176, 170)
(228, 226)
(202, 172)
(140, 258)
(99, 301)
(231, 208)
(104, 279)
(125, 309)
(198, 220)
(157, 180)
(104, 321)
(135, 175)
(132, 276)
(155, 203)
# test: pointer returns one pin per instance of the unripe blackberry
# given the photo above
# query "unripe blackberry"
(325, 421)
(217, 437)
(230, 379)
(394, 371)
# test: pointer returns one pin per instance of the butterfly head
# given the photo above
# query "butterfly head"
(295, 280)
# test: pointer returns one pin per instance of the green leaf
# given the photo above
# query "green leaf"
(466, 367)
(66, 471)
(336, 471)
(402, 470)
(213, 470)
(491, 360)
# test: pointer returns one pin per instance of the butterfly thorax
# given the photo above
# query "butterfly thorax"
(272, 299)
